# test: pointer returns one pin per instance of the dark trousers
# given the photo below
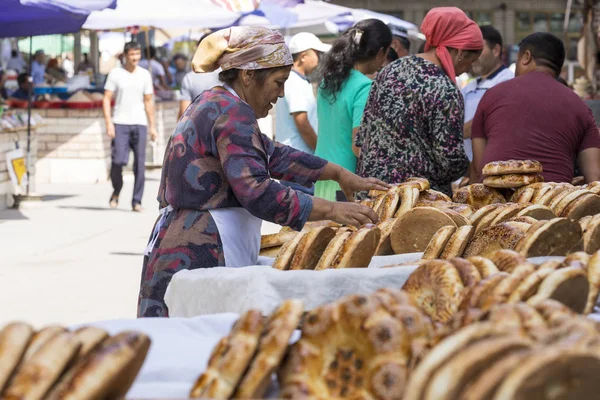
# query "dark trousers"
(134, 138)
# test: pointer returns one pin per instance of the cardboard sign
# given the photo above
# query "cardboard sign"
(17, 169)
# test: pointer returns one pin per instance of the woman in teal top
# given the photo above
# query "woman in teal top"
(343, 93)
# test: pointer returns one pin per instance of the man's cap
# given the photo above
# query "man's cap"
(398, 31)
(305, 41)
(39, 53)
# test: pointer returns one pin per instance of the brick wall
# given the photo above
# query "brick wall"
(74, 148)
(7, 143)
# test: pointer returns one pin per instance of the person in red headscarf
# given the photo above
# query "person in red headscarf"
(413, 121)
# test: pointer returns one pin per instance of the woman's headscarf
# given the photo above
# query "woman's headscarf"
(242, 47)
(445, 27)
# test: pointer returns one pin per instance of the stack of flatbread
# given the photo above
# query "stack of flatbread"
(478, 196)
(360, 347)
(55, 363)
(532, 230)
(443, 287)
(242, 363)
(564, 199)
(512, 173)
(327, 247)
(513, 352)
(383, 346)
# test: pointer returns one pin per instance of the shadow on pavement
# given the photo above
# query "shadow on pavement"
(11, 215)
(84, 208)
(52, 197)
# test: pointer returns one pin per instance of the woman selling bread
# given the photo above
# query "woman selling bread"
(359, 52)
(413, 120)
(216, 183)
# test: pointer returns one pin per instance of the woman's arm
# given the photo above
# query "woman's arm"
(244, 160)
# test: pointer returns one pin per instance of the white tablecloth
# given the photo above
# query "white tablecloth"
(223, 290)
(178, 354)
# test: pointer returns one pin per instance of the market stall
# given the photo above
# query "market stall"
(13, 149)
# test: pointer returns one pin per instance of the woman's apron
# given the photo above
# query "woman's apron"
(239, 231)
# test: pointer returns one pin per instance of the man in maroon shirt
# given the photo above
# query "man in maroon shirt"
(535, 117)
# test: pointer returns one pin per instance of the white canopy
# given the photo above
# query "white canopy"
(188, 14)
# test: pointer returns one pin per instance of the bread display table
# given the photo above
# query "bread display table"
(219, 290)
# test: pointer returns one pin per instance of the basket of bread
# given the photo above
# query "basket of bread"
(55, 363)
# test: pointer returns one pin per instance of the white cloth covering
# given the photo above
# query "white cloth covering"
(218, 290)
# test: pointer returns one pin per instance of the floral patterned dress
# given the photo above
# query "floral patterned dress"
(217, 158)
(413, 126)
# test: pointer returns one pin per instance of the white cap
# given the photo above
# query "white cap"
(305, 41)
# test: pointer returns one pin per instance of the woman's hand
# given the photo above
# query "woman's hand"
(352, 214)
(352, 183)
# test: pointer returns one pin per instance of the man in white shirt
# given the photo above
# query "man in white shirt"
(127, 127)
(491, 71)
(296, 113)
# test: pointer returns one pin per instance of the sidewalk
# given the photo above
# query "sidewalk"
(71, 259)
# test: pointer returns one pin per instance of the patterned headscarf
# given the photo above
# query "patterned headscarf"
(242, 47)
(450, 27)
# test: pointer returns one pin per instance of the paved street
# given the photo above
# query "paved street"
(70, 259)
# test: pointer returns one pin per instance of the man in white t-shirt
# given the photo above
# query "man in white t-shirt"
(490, 70)
(296, 113)
(127, 127)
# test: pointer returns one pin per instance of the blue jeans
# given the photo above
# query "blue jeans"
(300, 188)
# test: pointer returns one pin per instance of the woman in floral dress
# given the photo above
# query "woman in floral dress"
(216, 184)
(413, 121)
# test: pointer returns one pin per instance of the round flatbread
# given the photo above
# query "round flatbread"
(14, 339)
(438, 243)
(568, 285)
(414, 230)
(271, 349)
(331, 251)
(385, 244)
(556, 237)
(358, 250)
(484, 386)
(492, 239)
(538, 212)
(469, 274)
(454, 376)
(507, 260)
(511, 181)
(311, 248)
(353, 348)
(588, 204)
(512, 167)
(437, 288)
(552, 371)
(410, 197)
(484, 265)
(444, 351)
(483, 290)
(593, 275)
(458, 242)
(286, 254)
(478, 195)
(230, 358)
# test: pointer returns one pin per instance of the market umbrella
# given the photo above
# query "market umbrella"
(44, 17)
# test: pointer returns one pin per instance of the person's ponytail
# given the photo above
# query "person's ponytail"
(360, 43)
